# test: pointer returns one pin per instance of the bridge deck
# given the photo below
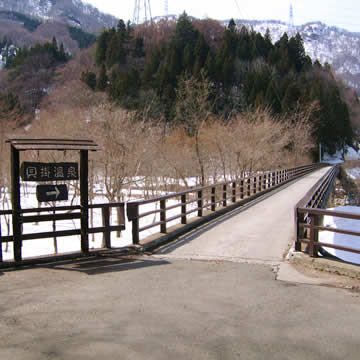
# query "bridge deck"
(260, 232)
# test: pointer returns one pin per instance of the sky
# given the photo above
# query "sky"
(342, 13)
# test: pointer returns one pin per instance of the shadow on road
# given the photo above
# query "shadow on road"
(95, 265)
(105, 264)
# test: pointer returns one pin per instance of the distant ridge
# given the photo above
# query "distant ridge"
(328, 44)
(72, 12)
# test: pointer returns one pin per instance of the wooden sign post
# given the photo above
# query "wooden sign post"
(49, 172)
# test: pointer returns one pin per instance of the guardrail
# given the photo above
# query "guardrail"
(65, 213)
(211, 198)
(309, 215)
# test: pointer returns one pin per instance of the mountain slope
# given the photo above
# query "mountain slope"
(73, 12)
(335, 46)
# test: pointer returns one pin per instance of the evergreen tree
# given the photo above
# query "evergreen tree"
(102, 80)
(89, 78)
(185, 33)
(101, 48)
(139, 47)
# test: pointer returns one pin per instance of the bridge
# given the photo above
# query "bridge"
(250, 219)
(261, 231)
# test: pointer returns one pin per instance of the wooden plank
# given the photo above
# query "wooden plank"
(103, 229)
(148, 213)
(332, 246)
(55, 147)
(345, 215)
(334, 230)
(8, 238)
(51, 143)
(150, 226)
(50, 209)
(50, 234)
(53, 217)
(109, 205)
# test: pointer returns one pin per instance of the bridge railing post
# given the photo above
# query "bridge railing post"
(260, 183)
(200, 203)
(132, 210)
(213, 198)
(299, 219)
(183, 209)
(105, 214)
(314, 236)
(163, 216)
(224, 195)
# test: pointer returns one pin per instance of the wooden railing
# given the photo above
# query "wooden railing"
(309, 215)
(210, 198)
(64, 213)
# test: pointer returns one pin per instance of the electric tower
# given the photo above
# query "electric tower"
(142, 11)
(166, 8)
(291, 18)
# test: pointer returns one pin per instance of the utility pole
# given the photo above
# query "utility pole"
(142, 11)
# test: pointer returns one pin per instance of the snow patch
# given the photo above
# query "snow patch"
(354, 173)
(352, 154)
(349, 154)
(349, 241)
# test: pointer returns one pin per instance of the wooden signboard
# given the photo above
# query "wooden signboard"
(47, 193)
(36, 171)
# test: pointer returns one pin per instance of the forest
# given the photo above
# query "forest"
(174, 100)
(245, 69)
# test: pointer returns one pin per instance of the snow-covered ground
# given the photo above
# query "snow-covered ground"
(339, 223)
(43, 247)
(342, 239)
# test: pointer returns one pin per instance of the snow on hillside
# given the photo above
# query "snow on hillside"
(338, 47)
(349, 154)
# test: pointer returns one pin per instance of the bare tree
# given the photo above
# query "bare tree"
(193, 108)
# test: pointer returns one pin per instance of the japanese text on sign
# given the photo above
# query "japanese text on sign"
(34, 171)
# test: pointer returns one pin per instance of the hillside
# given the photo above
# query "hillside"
(71, 12)
(327, 44)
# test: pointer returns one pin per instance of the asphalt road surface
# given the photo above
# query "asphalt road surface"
(149, 308)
